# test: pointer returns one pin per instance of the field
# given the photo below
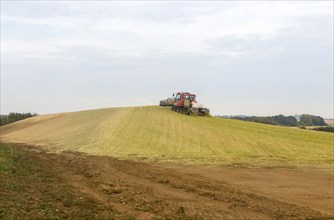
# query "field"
(152, 163)
(330, 122)
(158, 134)
(39, 185)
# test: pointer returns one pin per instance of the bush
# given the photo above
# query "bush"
(326, 129)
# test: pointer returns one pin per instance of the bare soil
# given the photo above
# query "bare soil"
(74, 185)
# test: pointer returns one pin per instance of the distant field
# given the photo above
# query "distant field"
(330, 122)
(158, 134)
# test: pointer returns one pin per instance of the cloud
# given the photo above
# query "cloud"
(135, 28)
(86, 50)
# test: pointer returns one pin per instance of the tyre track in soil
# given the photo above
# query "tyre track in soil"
(148, 191)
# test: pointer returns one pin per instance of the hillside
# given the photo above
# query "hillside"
(156, 133)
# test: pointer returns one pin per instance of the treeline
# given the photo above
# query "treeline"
(13, 117)
(305, 120)
(325, 129)
(273, 120)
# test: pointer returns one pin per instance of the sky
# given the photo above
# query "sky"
(239, 57)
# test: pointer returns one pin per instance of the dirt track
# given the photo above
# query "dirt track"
(142, 190)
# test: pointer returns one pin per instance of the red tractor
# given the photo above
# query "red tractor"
(185, 103)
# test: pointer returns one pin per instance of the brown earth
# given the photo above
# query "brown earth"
(73, 185)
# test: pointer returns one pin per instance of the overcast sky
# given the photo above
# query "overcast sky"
(251, 58)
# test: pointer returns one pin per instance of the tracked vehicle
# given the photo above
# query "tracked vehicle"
(185, 103)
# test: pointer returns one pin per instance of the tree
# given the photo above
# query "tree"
(291, 121)
(311, 120)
